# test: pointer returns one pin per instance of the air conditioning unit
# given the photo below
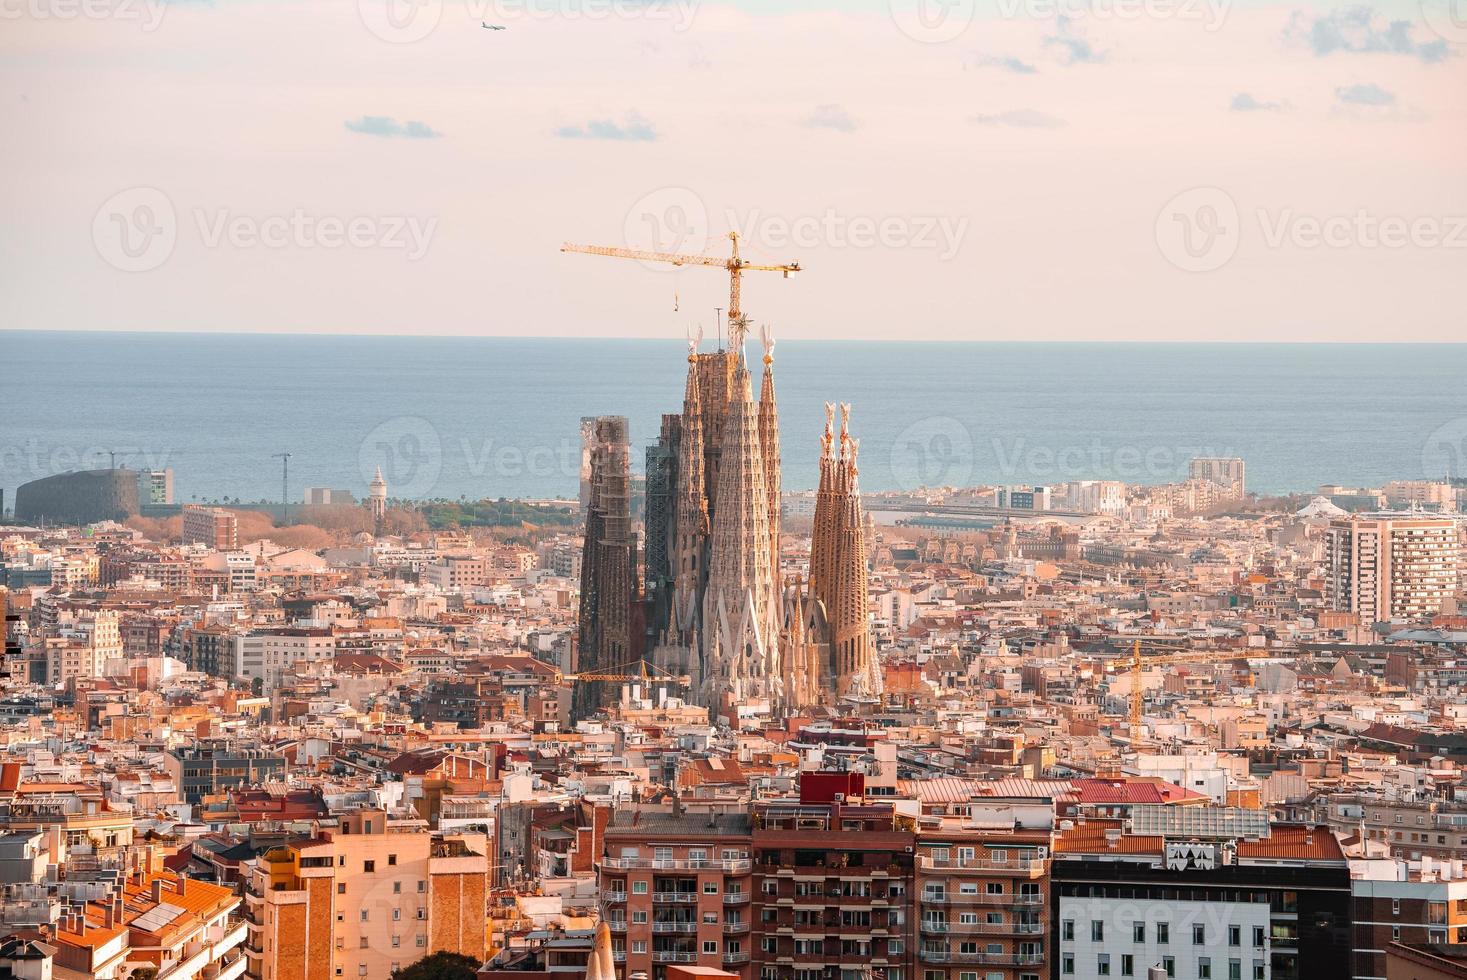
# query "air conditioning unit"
(840, 797)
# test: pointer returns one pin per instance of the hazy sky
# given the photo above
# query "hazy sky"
(1005, 170)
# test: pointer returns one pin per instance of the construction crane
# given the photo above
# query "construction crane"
(735, 265)
(1137, 663)
(620, 673)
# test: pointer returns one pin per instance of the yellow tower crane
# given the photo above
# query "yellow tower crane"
(1138, 663)
(621, 673)
(735, 265)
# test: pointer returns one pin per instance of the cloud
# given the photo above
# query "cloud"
(1006, 62)
(831, 116)
(1244, 102)
(1020, 119)
(1367, 94)
(1358, 30)
(389, 127)
(635, 129)
(1074, 50)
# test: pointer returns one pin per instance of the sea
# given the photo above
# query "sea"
(472, 417)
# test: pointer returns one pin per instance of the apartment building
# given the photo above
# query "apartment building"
(1420, 902)
(1227, 472)
(1382, 567)
(677, 888)
(982, 885)
(212, 527)
(364, 899)
(1206, 893)
(834, 884)
(268, 655)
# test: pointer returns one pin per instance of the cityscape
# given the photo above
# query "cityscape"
(732, 490)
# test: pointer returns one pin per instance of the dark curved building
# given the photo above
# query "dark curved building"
(78, 498)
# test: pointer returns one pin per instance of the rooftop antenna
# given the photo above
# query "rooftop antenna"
(111, 460)
(284, 486)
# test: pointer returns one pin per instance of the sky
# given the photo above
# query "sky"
(1137, 170)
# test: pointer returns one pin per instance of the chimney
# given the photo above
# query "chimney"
(157, 890)
(182, 882)
(108, 916)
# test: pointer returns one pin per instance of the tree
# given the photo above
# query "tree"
(439, 966)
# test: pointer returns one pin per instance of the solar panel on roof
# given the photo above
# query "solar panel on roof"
(1222, 823)
(157, 917)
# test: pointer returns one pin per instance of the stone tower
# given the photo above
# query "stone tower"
(377, 502)
(608, 566)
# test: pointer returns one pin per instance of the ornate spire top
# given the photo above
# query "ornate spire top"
(737, 330)
(695, 340)
(845, 426)
(828, 437)
(766, 334)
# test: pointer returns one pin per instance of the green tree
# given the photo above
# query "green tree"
(439, 966)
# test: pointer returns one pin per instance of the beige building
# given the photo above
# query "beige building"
(362, 900)
(1382, 567)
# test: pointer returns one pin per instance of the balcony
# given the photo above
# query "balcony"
(956, 898)
(945, 927)
(730, 865)
(616, 896)
(689, 898)
(617, 925)
(742, 956)
(670, 956)
(733, 928)
(684, 927)
(1031, 867)
(735, 898)
(985, 959)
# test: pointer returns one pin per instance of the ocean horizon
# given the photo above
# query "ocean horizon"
(451, 416)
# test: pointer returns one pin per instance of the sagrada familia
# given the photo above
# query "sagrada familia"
(713, 603)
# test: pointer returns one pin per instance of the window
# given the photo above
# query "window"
(1199, 935)
(1258, 972)
(1102, 964)
(1163, 933)
(1128, 965)
(1235, 970)
(1258, 937)
(1395, 906)
(422, 887)
(1204, 968)
(340, 888)
(396, 915)
(422, 941)
(369, 866)
(1067, 964)
(391, 859)
(422, 914)
(396, 942)
(1097, 931)
(397, 888)
(1067, 930)
(1138, 932)
(639, 915)
(639, 945)
(1169, 964)
(362, 943)
(639, 888)
(769, 944)
(710, 888)
(1235, 935)
(995, 888)
(710, 945)
(364, 915)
